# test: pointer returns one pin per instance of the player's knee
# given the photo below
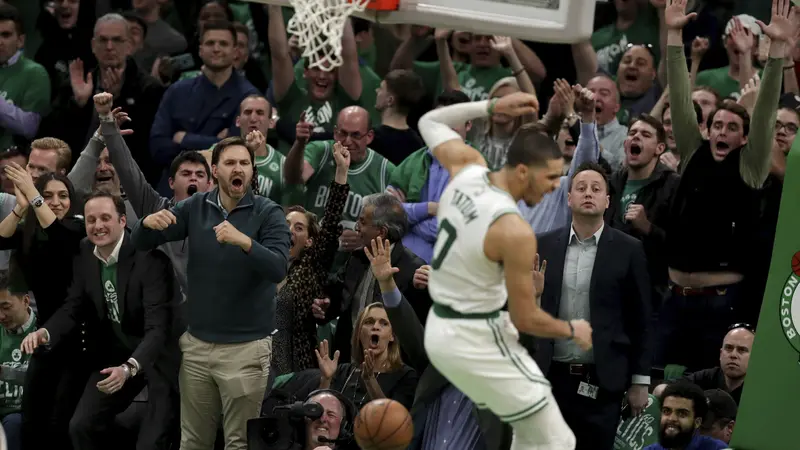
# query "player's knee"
(545, 430)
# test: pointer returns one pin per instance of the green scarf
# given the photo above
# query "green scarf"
(410, 176)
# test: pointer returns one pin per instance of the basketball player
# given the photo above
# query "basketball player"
(484, 254)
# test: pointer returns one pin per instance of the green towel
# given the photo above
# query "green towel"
(410, 176)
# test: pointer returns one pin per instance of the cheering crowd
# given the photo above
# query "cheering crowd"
(189, 214)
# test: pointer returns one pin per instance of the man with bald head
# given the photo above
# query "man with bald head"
(610, 132)
(312, 164)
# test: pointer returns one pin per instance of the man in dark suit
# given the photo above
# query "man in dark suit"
(382, 217)
(597, 273)
(125, 297)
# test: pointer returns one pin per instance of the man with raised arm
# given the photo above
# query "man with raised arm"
(483, 256)
(716, 209)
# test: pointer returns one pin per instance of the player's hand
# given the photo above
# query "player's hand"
(228, 234)
(34, 340)
(320, 307)
(350, 240)
(303, 130)
(421, 277)
(327, 366)
(114, 382)
(517, 104)
(583, 334)
(379, 256)
(160, 220)
(637, 398)
(675, 17)
(538, 277)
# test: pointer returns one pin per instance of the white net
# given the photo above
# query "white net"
(319, 25)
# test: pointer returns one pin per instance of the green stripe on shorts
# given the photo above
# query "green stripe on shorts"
(525, 413)
(504, 350)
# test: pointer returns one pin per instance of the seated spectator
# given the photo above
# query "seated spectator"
(376, 369)
(440, 412)
(130, 334)
(196, 113)
(337, 412)
(18, 320)
(419, 182)
(24, 84)
(721, 417)
(734, 358)
(683, 408)
(160, 38)
(355, 286)
(138, 93)
(314, 245)
(398, 93)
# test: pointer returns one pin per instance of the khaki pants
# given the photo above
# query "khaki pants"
(225, 380)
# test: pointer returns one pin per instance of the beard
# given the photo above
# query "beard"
(680, 440)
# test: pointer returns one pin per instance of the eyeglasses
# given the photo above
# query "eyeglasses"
(649, 48)
(356, 135)
(744, 325)
(790, 127)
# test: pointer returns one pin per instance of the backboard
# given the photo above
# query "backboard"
(554, 21)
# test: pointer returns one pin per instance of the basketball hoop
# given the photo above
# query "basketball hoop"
(319, 25)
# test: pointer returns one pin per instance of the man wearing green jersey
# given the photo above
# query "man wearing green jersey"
(312, 164)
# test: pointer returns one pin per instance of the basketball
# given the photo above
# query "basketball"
(383, 424)
(796, 264)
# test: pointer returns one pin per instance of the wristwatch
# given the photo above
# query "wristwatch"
(131, 368)
(37, 201)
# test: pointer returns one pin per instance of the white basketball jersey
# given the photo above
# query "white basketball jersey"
(463, 278)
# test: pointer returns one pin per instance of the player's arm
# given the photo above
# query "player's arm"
(449, 148)
(510, 240)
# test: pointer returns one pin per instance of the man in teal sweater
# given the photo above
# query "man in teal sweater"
(17, 320)
(238, 253)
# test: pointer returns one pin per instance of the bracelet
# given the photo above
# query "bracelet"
(15, 213)
(492, 102)
(518, 72)
(788, 67)
(571, 331)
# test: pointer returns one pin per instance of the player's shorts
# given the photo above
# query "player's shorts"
(482, 357)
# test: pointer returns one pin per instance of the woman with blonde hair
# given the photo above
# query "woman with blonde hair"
(376, 370)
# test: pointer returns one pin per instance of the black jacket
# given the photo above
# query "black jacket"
(146, 296)
(139, 96)
(619, 305)
(656, 197)
(342, 292)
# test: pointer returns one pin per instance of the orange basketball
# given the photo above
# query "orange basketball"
(796, 264)
(383, 424)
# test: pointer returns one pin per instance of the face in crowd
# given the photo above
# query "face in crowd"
(111, 43)
(726, 133)
(588, 194)
(13, 310)
(642, 145)
(10, 40)
(787, 123)
(57, 197)
(254, 115)
(234, 171)
(375, 333)
(606, 98)
(734, 356)
(217, 50)
(105, 176)
(104, 222)
(321, 83)
(329, 424)
(636, 72)
(678, 422)
(66, 13)
(353, 131)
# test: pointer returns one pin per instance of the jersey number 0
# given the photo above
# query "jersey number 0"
(448, 232)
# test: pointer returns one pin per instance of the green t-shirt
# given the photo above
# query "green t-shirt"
(721, 82)
(476, 82)
(611, 43)
(367, 177)
(636, 433)
(630, 194)
(320, 114)
(26, 85)
(108, 276)
(370, 82)
(271, 183)
(12, 357)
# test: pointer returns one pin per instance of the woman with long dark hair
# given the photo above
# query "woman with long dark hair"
(44, 232)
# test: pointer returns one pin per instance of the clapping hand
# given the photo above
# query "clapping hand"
(538, 276)
(22, 180)
(563, 99)
(368, 366)
(82, 84)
